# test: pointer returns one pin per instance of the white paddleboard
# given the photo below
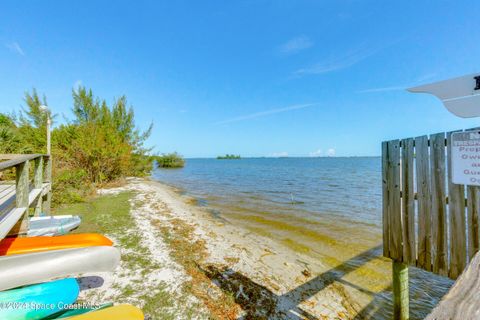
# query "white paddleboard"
(52, 225)
(51, 217)
(24, 269)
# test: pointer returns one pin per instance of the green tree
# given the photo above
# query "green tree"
(100, 144)
(34, 115)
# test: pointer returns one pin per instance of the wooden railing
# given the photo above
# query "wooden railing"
(17, 197)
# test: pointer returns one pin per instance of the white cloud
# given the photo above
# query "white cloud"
(420, 79)
(15, 47)
(317, 153)
(338, 62)
(296, 45)
(280, 154)
(384, 89)
(266, 113)
(331, 152)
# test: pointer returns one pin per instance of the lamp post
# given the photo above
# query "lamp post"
(47, 199)
(49, 123)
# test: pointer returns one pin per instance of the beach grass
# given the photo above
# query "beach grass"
(190, 253)
(110, 215)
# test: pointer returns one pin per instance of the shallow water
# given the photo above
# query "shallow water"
(328, 208)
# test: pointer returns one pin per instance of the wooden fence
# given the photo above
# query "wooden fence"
(428, 221)
(17, 197)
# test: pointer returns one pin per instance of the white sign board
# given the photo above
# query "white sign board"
(466, 158)
(461, 95)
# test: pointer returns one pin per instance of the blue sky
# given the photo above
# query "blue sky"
(257, 78)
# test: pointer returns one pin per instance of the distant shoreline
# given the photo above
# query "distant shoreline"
(289, 157)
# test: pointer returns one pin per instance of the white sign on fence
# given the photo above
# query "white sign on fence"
(466, 158)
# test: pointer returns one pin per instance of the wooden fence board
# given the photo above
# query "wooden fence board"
(439, 223)
(423, 203)
(394, 210)
(473, 205)
(408, 204)
(456, 214)
(441, 231)
(385, 217)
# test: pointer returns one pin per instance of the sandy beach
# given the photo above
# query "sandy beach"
(263, 279)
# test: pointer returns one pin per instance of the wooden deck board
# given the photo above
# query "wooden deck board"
(7, 196)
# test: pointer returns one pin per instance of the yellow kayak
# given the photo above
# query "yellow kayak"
(120, 312)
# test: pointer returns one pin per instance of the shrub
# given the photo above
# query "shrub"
(170, 160)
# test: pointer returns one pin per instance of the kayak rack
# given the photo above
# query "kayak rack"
(31, 189)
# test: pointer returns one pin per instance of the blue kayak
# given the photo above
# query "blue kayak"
(39, 300)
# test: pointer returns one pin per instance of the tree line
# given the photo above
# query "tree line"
(99, 145)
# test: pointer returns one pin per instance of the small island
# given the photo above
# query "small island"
(229, 157)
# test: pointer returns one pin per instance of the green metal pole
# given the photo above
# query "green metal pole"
(400, 291)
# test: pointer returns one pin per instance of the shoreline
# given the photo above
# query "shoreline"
(262, 262)
(241, 263)
(222, 270)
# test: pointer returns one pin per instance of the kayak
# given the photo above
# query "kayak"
(75, 312)
(60, 216)
(52, 225)
(39, 300)
(11, 246)
(23, 269)
(123, 312)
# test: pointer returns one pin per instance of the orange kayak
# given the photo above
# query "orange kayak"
(11, 246)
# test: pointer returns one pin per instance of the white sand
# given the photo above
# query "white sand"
(260, 260)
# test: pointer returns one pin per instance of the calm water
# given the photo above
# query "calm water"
(328, 208)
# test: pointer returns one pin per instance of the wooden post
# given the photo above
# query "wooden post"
(38, 183)
(422, 167)
(408, 204)
(47, 199)
(400, 291)
(21, 196)
(439, 209)
(456, 214)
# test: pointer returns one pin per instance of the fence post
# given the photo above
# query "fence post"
(21, 196)
(47, 199)
(38, 183)
(400, 291)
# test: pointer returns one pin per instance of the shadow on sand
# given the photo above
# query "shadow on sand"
(258, 302)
